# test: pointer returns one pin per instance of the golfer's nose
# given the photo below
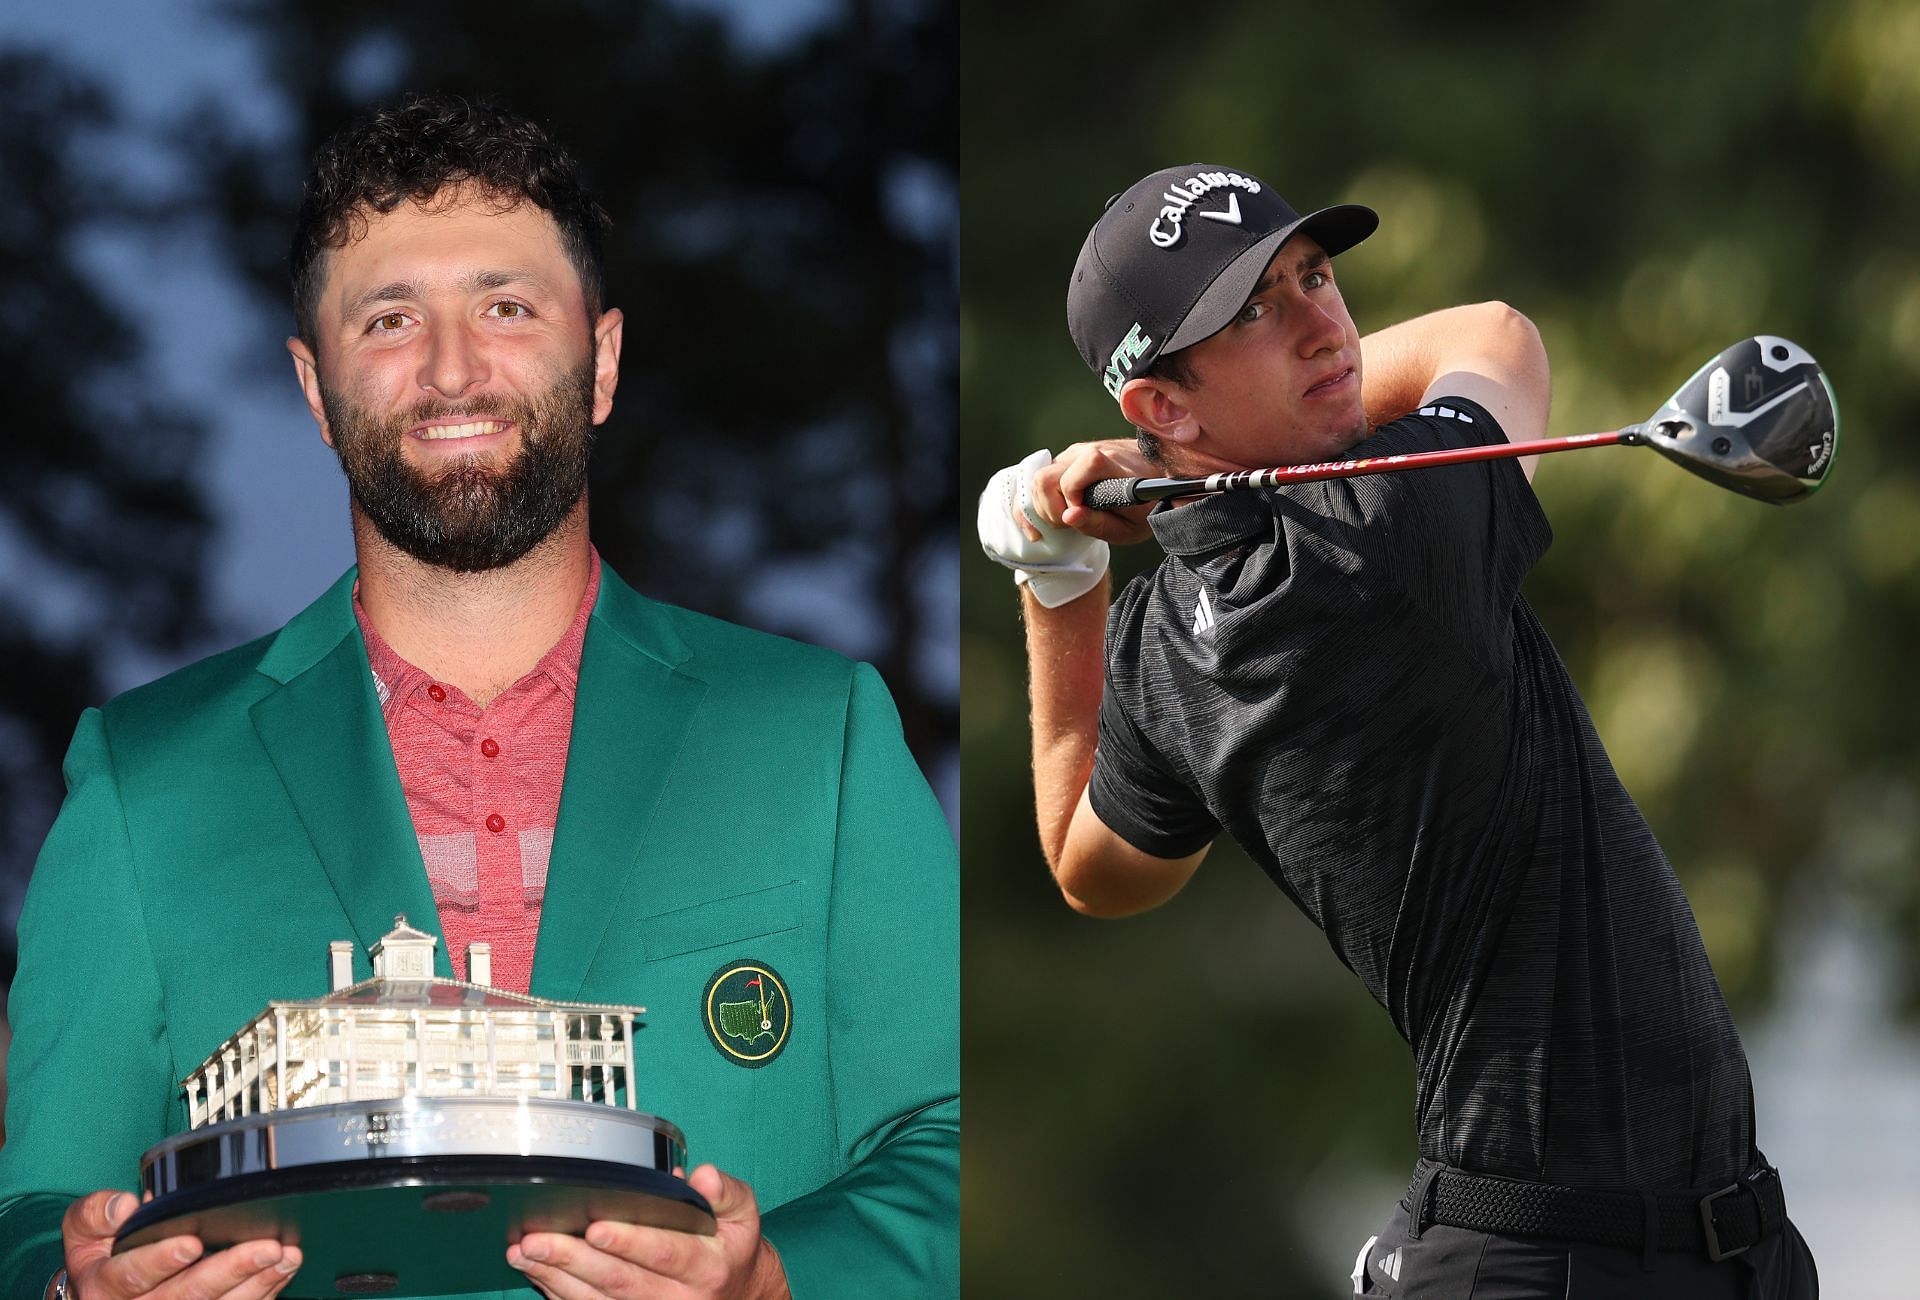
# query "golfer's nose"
(455, 360)
(1319, 330)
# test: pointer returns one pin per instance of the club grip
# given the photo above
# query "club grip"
(1111, 494)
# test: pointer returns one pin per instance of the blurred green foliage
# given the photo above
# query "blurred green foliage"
(1180, 1104)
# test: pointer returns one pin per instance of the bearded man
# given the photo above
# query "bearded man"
(482, 727)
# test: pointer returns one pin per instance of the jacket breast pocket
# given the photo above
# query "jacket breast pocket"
(721, 922)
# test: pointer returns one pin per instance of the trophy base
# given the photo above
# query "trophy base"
(417, 1225)
(414, 1196)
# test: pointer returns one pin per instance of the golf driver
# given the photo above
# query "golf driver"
(1759, 419)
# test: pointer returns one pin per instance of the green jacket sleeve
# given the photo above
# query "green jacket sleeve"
(889, 1227)
(89, 1075)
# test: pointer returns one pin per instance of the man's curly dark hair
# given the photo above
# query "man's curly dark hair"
(413, 152)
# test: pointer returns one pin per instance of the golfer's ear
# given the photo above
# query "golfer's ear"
(606, 362)
(307, 370)
(1159, 406)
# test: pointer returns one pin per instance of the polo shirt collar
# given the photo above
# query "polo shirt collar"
(396, 679)
(1211, 522)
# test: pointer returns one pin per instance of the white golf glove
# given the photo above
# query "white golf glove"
(1059, 567)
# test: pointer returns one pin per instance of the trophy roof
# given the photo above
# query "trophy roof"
(401, 931)
(441, 992)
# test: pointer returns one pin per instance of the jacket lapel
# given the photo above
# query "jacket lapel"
(323, 732)
(635, 701)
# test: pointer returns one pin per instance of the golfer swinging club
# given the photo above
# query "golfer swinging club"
(1343, 677)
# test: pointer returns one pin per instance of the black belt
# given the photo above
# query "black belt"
(1721, 1223)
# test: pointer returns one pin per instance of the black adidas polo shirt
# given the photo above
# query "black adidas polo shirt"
(1344, 677)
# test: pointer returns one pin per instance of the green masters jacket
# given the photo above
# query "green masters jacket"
(729, 795)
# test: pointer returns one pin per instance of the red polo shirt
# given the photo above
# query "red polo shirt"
(483, 788)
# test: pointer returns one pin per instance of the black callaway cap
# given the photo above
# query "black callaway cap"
(1174, 259)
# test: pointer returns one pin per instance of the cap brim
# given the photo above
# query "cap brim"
(1336, 229)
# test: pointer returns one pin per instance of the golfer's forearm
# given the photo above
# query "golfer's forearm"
(1064, 671)
(1400, 363)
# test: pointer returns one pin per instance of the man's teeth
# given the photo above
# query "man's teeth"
(474, 430)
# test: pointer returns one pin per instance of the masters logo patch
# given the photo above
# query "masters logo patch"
(747, 1012)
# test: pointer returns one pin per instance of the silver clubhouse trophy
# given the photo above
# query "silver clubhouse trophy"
(403, 1130)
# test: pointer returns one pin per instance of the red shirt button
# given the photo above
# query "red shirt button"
(491, 748)
(436, 693)
(496, 823)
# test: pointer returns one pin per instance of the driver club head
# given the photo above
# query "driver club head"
(1760, 419)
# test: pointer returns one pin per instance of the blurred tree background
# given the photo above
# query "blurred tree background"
(782, 451)
(1200, 1101)
(102, 530)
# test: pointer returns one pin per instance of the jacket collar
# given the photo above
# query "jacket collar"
(316, 631)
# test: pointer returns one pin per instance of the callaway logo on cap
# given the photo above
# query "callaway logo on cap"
(1174, 259)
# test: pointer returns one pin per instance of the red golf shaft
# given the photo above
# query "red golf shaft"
(1112, 493)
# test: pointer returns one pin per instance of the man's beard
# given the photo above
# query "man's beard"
(470, 516)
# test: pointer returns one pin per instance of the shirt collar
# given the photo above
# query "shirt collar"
(395, 679)
(1211, 522)
(562, 663)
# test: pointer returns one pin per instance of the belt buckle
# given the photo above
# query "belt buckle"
(1714, 1252)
